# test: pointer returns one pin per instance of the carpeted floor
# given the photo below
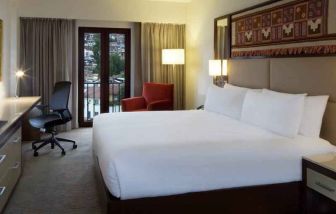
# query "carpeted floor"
(52, 183)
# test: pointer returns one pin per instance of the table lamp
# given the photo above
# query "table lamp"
(218, 70)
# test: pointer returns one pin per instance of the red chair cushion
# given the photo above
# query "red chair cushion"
(157, 91)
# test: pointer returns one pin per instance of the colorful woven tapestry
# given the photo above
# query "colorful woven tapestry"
(292, 22)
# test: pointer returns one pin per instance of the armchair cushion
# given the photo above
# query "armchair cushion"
(157, 91)
(155, 97)
(133, 104)
(160, 105)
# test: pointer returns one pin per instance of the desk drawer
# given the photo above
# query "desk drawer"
(10, 152)
(321, 183)
(8, 182)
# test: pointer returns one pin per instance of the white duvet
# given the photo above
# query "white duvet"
(148, 154)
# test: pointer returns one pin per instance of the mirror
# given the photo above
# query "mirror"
(222, 37)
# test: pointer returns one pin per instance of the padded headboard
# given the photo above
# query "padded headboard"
(315, 76)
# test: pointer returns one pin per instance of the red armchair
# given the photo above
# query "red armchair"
(155, 97)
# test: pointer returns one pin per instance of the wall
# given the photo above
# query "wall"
(199, 16)
(200, 43)
(108, 13)
(8, 15)
(113, 10)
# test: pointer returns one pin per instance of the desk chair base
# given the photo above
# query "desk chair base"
(53, 140)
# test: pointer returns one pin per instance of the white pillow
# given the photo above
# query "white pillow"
(313, 112)
(264, 90)
(225, 101)
(228, 85)
(274, 111)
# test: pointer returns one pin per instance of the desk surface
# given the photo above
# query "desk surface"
(12, 109)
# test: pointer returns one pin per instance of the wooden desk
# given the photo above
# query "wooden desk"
(12, 112)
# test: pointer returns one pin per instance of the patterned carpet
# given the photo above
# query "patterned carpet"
(52, 183)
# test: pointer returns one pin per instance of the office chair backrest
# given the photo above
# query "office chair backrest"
(60, 96)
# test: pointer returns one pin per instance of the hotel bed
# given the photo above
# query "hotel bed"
(204, 162)
(167, 153)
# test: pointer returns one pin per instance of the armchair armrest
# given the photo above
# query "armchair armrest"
(160, 105)
(133, 104)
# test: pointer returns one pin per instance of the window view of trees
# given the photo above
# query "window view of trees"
(117, 67)
(92, 72)
(93, 55)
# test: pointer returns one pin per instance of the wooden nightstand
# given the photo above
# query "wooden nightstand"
(319, 178)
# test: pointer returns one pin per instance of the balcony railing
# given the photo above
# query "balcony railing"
(92, 97)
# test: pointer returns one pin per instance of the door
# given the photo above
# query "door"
(104, 71)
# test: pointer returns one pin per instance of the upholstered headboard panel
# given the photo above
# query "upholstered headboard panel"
(315, 76)
(249, 73)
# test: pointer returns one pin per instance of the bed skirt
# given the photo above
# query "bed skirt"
(275, 198)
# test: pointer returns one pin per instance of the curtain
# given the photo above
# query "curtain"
(156, 37)
(47, 55)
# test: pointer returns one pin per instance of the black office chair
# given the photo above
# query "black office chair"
(58, 114)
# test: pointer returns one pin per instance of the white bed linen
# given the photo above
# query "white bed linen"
(148, 154)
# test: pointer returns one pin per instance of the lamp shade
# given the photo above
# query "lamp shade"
(224, 68)
(215, 67)
(19, 73)
(173, 56)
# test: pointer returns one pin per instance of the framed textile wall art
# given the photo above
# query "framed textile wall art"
(285, 28)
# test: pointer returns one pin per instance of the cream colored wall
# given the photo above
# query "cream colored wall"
(112, 10)
(106, 13)
(8, 15)
(199, 16)
(200, 42)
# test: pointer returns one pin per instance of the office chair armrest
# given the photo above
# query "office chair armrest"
(43, 108)
(59, 111)
(63, 113)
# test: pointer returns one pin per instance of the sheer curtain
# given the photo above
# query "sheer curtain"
(156, 37)
(47, 54)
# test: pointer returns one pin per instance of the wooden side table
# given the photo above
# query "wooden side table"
(319, 178)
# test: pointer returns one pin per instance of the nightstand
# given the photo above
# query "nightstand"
(319, 179)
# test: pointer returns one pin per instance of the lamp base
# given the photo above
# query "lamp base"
(220, 81)
(17, 92)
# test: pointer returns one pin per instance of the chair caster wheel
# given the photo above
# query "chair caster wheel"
(74, 146)
(36, 154)
(63, 152)
(34, 147)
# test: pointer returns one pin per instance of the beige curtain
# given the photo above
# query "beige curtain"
(156, 37)
(47, 54)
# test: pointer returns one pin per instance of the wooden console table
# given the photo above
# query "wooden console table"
(12, 113)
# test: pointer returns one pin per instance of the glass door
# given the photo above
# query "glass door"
(117, 71)
(104, 71)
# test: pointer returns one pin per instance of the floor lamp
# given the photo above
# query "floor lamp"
(173, 57)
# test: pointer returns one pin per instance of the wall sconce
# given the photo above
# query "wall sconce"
(19, 74)
(218, 70)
